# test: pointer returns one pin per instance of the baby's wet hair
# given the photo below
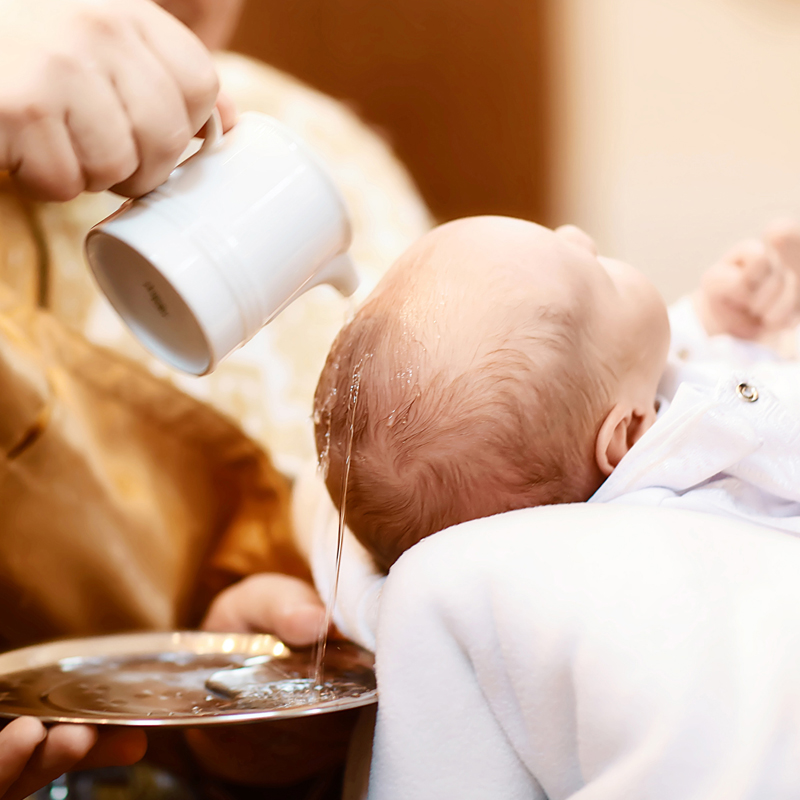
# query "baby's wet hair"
(436, 444)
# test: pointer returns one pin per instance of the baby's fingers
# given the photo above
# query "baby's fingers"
(783, 311)
(771, 291)
(783, 246)
(762, 285)
(754, 266)
(736, 279)
(783, 242)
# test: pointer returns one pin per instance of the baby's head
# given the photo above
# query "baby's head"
(498, 365)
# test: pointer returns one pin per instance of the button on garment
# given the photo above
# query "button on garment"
(747, 392)
(715, 449)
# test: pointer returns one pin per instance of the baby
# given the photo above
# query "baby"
(500, 365)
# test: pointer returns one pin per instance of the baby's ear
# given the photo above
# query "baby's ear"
(619, 432)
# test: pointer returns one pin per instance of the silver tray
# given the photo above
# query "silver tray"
(181, 679)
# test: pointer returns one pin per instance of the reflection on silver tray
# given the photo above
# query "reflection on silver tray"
(180, 679)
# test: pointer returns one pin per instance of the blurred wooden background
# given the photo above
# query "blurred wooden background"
(458, 87)
(666, 129)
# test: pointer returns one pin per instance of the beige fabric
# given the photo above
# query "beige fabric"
(22, 255)
(268, 385)
(125, 503)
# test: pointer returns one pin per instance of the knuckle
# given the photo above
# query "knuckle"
(106, 174)
(158, 154)
(141, 182)
(100, 22)
(202, 89)
(66, 192)
(171, 144)
(54, 186)
(61, 191)
(25, 107)
(131, 187)
(66, 63)
(31, 111)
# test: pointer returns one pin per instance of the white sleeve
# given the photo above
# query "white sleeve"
(688, 336)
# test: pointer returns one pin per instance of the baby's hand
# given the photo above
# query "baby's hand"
(31, 756)
(754, 290)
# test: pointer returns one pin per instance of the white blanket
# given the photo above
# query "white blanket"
(591, 652)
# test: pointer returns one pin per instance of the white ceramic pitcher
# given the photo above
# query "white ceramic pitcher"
(250, 222)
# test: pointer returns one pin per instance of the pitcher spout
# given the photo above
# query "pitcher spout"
(339, 272)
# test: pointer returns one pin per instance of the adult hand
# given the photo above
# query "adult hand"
(754, 291)
(269, 603)
(31, 755)
(284, 751)
(98, 94)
